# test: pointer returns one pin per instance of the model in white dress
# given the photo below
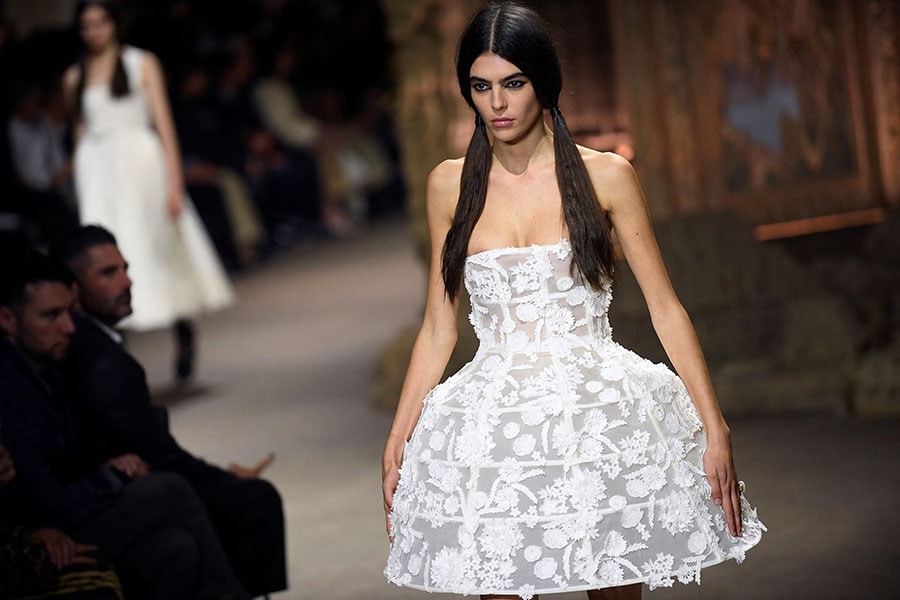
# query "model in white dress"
(556, 460)
(121, 184)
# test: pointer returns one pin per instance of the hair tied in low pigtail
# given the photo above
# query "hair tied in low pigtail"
(555, 112)
(479, 122)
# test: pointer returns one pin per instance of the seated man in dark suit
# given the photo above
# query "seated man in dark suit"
(150, 526)
(46, 561)
(113, 406)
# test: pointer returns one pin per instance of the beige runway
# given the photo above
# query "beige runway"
(288, 370)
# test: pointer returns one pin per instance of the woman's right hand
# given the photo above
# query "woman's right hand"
(390, 476)
(174, 203)
(388, 487)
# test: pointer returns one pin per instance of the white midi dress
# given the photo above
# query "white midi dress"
(556, 460)
(121, 184)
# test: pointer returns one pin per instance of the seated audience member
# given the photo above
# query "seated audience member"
(37, 130)
(351, 162)
(205, 153)
(150, 526)
(112, 403)
(46, 562)
(285, 185)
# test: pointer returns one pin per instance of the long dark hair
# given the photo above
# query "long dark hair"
(118, 86)
(519, 35)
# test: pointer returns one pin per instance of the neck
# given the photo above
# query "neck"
(106, 51)
(110, 322)
(518, 156)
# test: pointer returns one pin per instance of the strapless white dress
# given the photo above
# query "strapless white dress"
(555, 460)
(120, 183)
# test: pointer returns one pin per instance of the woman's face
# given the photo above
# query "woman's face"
(504, 97)
(97, 28)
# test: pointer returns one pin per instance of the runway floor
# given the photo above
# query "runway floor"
(288, 369)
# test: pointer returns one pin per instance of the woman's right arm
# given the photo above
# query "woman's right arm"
(437, 336)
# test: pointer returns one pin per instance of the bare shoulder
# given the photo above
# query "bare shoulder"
(606, 166)
(149, 61)
(443, 185)
(446, 175)
(71, 76)
(613, 177)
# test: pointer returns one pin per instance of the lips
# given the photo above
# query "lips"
(501, 123)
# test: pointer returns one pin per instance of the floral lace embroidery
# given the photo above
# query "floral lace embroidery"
(555, 460)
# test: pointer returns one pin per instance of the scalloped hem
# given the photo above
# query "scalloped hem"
(667, 581)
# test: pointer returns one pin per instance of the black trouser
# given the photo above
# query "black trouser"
(160, 540)
(248, 517)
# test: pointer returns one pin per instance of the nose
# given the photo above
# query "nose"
(126, 280)
(67, 325)
(498, 99)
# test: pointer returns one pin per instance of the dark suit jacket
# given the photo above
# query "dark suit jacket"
(56, 485)
(112, 407)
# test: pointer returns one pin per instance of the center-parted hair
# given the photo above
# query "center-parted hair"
(119, 85)
(519, 35)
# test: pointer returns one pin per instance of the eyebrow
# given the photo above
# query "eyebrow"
(516, 75)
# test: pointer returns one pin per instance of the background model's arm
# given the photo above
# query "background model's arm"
(155, 86)
(622, 198)
(70, 90)
(437, 336)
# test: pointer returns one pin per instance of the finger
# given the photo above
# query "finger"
(68, 548)
(82, 560)
(82, 548)
(56, 556)
(388, 492)
(716, 489)
(736, 501)
(729, 515)
(260, 466)
(728, 506)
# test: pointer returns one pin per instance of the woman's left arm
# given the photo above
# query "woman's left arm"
(622, 199)
(154, 84)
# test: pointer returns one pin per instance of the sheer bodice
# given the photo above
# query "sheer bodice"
(536, 304)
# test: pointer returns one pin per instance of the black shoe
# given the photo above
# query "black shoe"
(184, 363)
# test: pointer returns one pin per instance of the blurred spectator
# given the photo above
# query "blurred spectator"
(351, 162)
(206, 170)
(37, 133)
(284, 183)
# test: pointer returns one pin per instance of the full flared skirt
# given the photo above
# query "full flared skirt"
(545, 473)
(121, 184)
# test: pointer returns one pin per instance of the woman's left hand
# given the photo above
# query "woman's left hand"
(174, 203)
(718, 464)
